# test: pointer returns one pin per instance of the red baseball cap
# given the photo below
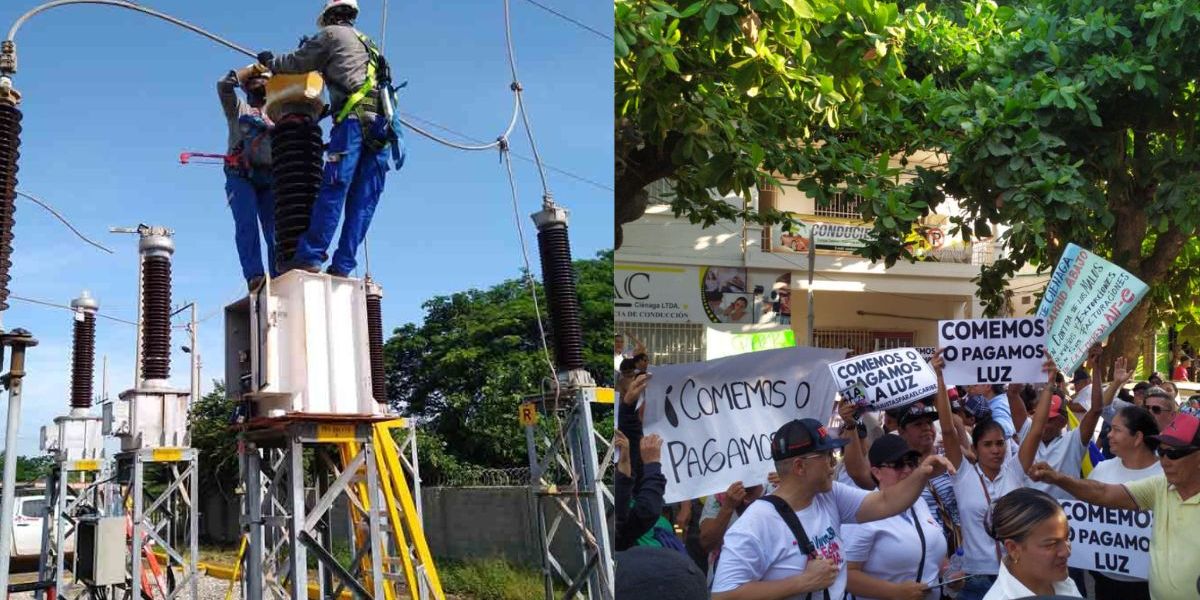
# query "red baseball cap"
(1055, 406)
(1183, 431)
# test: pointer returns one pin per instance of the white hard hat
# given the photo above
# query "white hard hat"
(329, 4)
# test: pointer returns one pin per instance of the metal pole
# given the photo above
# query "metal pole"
(19, 339)
(253, 512)
(193, 504)
(812, 265)
(416, 471)
(137, 348)
(135, 546)
(195, 355)
(298, 552)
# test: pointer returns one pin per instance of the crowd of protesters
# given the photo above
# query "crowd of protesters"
(957, 495)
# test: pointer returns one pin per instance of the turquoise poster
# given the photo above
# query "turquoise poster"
(1086, 298)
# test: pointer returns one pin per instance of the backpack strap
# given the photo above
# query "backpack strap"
(793, 522)
(921, 534)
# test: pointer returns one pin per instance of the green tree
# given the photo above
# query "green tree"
(464, 370)
(712, 93)
(32, 469)
(1073, 121)
(209, 424)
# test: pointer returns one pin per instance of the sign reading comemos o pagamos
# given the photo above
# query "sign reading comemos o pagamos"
(716, 417)
(887, 378)
(993, 350)
(1108, 539)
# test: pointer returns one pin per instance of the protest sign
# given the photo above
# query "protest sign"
(716, 418)
(719, 344)
(1086, 298)
(926, 352)
(1108, 539)
(993, 350)
(887, 378)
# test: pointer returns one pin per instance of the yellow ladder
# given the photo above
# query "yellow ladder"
(403, 524)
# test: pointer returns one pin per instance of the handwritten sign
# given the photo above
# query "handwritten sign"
(885, 379)
(716, 418)
(1108, 539)
(1086, 298)
(993, 350)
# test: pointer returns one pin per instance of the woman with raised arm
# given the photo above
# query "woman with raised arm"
(996, 473)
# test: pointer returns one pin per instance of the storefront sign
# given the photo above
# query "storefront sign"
(828, 235)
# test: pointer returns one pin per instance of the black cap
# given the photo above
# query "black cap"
(649, 573)
(1081, 374)
(913, 412)
(802, 436)
(889, 449)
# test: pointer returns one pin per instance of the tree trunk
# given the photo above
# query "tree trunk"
(637, 168)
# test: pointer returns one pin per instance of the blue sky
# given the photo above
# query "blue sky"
(112, 97)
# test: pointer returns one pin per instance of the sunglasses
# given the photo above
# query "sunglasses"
(908, 463)
(1156, 409)
(1174, 453)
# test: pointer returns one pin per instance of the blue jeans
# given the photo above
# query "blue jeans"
(253, 205)
(976, 587)
(354, 177)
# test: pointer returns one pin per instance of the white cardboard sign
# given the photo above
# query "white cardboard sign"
(885, 379)
(716, 417)
(1109, 539)
(993, 350)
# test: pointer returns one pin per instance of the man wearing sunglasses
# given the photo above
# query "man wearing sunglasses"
(1174, 497)
(1161, 404)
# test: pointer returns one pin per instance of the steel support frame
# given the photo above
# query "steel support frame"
(62, 517)
(585, 506)
(149, 519)
(283, 527)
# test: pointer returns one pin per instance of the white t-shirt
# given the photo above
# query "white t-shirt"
(1065, 454)
(979, 549)
(760, 547)
(1008, 588)
(1084, 397)
(889, 548)
(1114, 471)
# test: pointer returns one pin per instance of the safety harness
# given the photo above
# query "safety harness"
(368, 98)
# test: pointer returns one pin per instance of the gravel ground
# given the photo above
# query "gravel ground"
(208, 588)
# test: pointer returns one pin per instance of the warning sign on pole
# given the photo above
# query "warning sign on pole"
(993, 350)
(528, 414)
(885, 379)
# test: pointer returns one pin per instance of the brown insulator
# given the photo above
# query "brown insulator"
(296, 170)
(375, 341)
(156, 317)
(83, 351)
(10, 142)
(558, 277)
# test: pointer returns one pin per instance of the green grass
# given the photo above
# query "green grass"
(490, 579)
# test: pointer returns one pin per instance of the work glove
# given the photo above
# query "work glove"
(265, 57)
(248, 71)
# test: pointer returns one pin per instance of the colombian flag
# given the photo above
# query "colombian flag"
(1093, 456)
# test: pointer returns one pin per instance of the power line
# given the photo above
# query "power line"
(572, 21)
(66, 307)
(549, 167)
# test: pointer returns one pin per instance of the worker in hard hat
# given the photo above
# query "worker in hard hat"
(248, 170)
(365, 127)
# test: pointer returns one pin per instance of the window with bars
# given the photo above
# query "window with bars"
(667, 343)
(843, 206)
(862, 341)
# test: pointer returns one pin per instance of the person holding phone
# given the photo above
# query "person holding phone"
(897, 558)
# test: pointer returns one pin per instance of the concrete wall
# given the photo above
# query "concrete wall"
(482, 522)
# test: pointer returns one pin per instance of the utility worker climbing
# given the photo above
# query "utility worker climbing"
(248, 170)
(365, 125)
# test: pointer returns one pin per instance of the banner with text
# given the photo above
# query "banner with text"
(716, 418)
(842, 235)
(1086, 298)
(719, 344)
(993, 350)
(1108, 539)
(885, 379)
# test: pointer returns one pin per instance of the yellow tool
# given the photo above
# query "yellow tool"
(404, 526)
(294, 94)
